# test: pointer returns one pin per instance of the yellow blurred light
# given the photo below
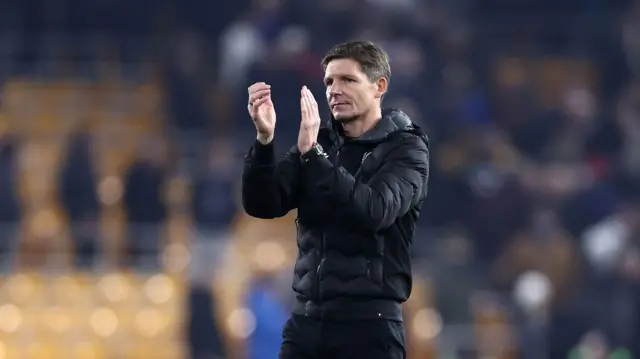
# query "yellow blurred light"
(3, 351)
(114, 287)
(159, 288)
(104, 322)
(67, 287)
(39, 351)
(11, 318)
(57, 319)
(85, 350)
(241, 323)
(427, 324)
(149, 322)
(21, 287)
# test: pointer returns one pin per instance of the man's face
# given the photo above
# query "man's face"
(349, 92)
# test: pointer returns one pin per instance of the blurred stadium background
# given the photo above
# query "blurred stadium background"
(122, 132)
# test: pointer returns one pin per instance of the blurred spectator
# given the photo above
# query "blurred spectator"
(628, 120)
(614, 259)
(145, 205)
(270, 314)
(594, 345)
(457, 279)
(240, 46)
(214, 195)
(544, 246)
(213, 209)
(79, 197)
(266, 298)
(10, 211)
(533, 292)
(495, 204)
(205, 341)
(186, 87)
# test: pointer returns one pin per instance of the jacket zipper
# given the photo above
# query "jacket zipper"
(336, 159)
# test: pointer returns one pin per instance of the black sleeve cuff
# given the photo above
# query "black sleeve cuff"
(262, 153)
(309, 156)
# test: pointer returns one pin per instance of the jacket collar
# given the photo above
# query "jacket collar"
(393, 120)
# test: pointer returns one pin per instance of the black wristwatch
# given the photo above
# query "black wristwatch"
(316, 150)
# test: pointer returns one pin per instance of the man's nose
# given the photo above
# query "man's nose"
(334, 90)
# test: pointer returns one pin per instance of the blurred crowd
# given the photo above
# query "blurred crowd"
(532, 107)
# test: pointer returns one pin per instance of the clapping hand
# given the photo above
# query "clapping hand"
(262, 111)
(310, 121)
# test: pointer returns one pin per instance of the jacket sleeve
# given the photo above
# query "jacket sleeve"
(399, 184)
(270, 187)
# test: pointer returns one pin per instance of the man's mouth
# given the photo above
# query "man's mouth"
(335, 105)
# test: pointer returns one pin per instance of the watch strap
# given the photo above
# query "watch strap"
(316, 150)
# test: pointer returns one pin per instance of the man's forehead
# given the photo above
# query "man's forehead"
(342, 67)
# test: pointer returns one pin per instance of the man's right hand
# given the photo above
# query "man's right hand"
(262, 111)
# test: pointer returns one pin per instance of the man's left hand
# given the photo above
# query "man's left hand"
(310, 122)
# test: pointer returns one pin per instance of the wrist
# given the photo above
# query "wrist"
(314, 151)
(264, 139)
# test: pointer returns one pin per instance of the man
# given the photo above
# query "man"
(358, 184)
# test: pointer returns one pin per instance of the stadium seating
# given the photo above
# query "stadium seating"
(90, 316)
(66, 314)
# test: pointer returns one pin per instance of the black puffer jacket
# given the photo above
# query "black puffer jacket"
(357, 213)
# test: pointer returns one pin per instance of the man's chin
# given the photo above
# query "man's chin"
(344, 118)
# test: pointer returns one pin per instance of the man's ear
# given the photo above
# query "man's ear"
(381, 87)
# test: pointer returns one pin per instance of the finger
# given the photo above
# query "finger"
(312, 104)
(312, 99)
(303, 115)
(258, 95)
(306, 110)
(303, 106)
(311, 108)
(309, 99)
(258, 86)
(254, 108)
(259, 102)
